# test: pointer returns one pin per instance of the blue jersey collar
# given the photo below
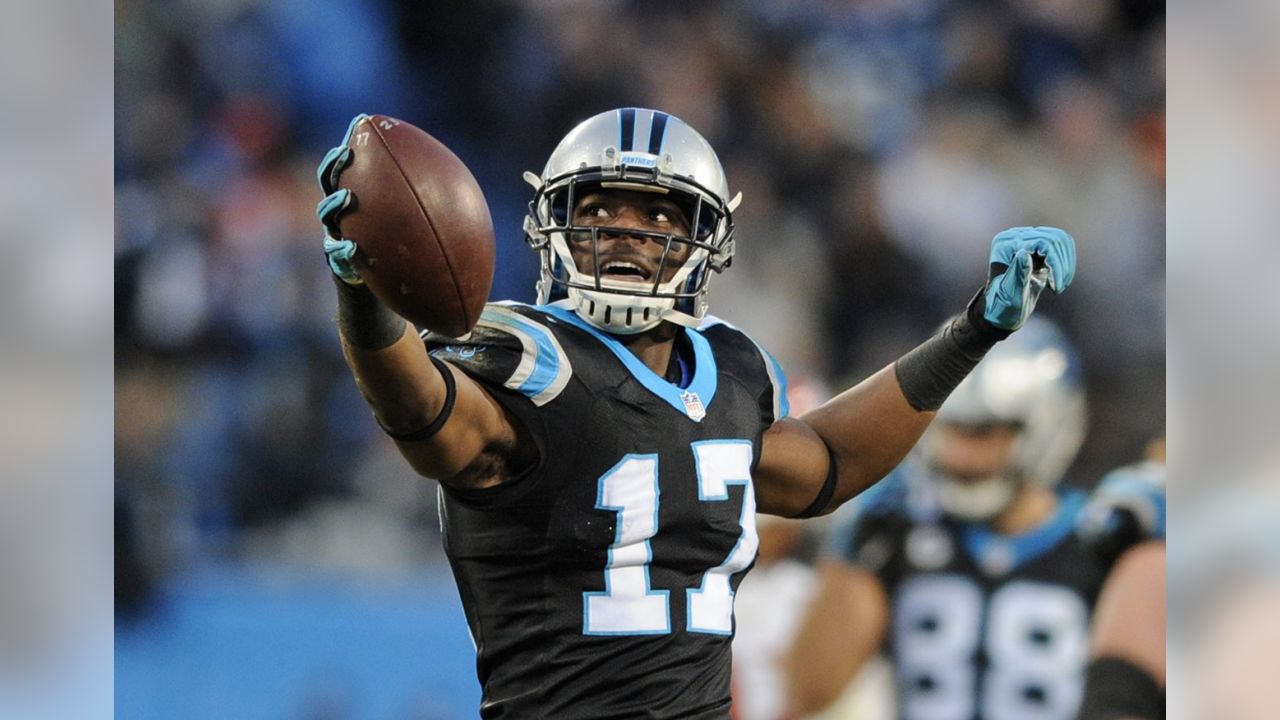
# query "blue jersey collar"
(998, 554)
(691, 401)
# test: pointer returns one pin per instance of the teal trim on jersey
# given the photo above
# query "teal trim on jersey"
(544, 369)
(777, 378)
(704, 363)
(980, 542)
(781, 407)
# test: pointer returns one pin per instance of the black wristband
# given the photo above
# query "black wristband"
(450, 394)
(824, 495)
(364, 321)
(929, 373)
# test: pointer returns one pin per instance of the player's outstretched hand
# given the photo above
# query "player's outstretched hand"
(1023, 261)
(340, 252)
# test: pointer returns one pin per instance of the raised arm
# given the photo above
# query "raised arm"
(811, 465)
(445, 424)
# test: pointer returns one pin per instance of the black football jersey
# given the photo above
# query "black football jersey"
(600, 583)
(983, 625)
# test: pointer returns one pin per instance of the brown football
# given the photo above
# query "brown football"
(421, 224)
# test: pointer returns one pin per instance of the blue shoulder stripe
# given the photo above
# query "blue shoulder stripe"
(544, 369)
(777, 378)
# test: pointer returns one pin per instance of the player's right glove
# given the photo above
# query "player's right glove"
(339, 251)
(1014, 283)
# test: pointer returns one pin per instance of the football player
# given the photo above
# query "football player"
(601, 455)
(967, 561)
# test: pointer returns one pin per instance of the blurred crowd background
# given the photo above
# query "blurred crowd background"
(270, 543)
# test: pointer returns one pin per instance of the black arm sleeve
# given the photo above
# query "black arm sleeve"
(929, 373)
(365, 322)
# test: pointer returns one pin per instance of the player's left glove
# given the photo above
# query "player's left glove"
(339, 251)
(1023, 261)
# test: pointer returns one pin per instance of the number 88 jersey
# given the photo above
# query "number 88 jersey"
(984, 625)
(601, 583)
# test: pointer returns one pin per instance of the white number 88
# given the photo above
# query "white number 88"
(1035, 640)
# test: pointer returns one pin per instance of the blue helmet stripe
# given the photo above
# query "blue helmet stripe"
(627, 130)
(657, 132)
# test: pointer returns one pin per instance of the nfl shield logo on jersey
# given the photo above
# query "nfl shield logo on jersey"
(693, 406)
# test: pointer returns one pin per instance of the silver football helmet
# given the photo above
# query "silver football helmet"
(1032, 382)
(632, 149)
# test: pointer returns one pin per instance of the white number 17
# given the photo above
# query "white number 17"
(629, 605)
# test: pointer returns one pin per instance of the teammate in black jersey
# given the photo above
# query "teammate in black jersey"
(967, 562)
(601, 455)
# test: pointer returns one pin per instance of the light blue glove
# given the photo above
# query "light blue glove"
(1023, 261)
(340, 252)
